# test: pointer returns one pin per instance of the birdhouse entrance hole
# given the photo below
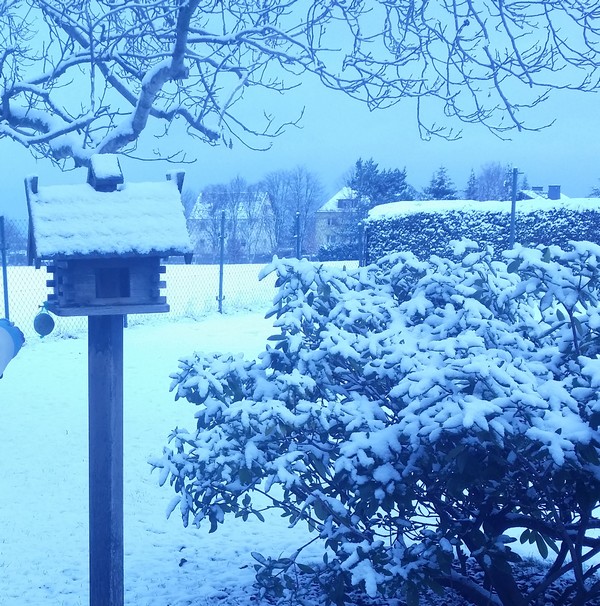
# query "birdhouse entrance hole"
(112, 283)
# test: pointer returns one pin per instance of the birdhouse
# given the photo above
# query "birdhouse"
(103, 241)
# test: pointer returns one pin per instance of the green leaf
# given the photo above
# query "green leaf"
(588, 453)
(279, 337)
(320, 510)
(272, 312)
(412, 595)
(245, 476)
(319, 466)
(551, 543)
(551, 330)
(501, 563)
(259, 557)
(477, 537)
(578, 326)
(541, 545)
(305, 569)
(435, 587)
(462, 461)
(513, 266)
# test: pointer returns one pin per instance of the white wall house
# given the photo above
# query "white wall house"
(249, 232)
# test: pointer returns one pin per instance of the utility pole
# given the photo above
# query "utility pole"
(513, 208)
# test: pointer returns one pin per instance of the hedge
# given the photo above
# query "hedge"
(430, 233)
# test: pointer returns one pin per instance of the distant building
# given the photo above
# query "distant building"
(539, 193)
(249, 226)
(331, 218)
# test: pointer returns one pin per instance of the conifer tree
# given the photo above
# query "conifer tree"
(471, 189)
(440, 187)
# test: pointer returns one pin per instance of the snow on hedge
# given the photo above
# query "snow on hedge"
(427, 227)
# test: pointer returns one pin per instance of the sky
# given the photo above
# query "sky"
(335, 131)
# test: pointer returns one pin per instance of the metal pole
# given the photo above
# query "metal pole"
(221, 261)
(362, 244)
(513, 208)
(105, 401)
(4, 272)
(297, 236)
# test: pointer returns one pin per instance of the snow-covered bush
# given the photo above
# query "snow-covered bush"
(420, 417)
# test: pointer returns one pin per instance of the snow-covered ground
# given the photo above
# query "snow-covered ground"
(44, 476)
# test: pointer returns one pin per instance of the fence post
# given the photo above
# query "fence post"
(4, 272)
(362, 243)
(297, 236)
(221, 261)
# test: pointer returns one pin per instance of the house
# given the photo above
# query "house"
(539, 193)
(332, 217)
(103, 240)
(248, 223)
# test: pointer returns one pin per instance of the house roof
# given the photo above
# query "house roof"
(537, 194)
(440, 206)
(203, 209)
(135, 219)
(332, 205)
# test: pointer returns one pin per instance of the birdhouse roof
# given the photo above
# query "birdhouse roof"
(135, 219)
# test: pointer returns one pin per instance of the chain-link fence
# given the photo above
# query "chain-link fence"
(192, 291)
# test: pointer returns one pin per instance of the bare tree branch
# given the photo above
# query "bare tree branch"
(103, 70)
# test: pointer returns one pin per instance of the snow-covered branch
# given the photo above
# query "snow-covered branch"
(126, 64)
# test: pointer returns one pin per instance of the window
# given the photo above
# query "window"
(346, 203)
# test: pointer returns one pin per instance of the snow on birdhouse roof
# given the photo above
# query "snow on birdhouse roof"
(441, 206)
(135, 219)
(106, 166)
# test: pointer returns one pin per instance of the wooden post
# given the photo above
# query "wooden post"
(105, 385)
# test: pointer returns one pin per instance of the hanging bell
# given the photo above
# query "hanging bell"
(43, 323)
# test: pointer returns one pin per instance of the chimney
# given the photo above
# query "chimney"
(553, 192)
(104, 173)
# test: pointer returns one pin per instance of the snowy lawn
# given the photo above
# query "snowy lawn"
(44, 479)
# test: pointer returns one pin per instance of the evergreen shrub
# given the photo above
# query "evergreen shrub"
(420, 417)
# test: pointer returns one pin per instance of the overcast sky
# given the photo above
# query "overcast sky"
(336, 131)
